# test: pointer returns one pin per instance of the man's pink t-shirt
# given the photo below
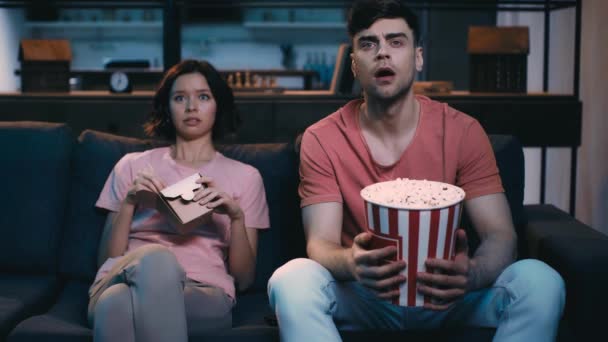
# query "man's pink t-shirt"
(203, 252)
(448, 146)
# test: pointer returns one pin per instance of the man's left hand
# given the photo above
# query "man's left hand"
(451, 282)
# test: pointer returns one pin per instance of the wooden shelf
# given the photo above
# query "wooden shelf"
(62, 25)
(294, 25)
(91, 30)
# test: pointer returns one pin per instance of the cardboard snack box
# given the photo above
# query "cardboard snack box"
(175, 202)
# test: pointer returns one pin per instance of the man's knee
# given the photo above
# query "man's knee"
(540, 285)
(297, 277)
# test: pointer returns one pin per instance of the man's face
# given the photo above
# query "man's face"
(385, 58)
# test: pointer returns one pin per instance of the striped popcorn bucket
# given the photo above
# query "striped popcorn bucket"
(418, 234)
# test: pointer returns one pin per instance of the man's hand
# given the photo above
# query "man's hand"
(371, 269)
(452, 280)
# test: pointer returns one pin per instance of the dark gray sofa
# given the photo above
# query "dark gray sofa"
(50, 231)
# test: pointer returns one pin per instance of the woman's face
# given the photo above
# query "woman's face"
(192, 107)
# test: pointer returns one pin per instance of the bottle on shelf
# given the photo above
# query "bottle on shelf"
(322, 72)
(329, 72)
(316, 84)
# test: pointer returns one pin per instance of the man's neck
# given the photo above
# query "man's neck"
(387, 118)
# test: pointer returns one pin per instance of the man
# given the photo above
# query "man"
(393, 133)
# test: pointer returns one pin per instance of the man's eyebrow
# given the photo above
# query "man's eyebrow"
(369, 38)
(395, 35)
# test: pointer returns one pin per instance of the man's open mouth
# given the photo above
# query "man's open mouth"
(384, 72)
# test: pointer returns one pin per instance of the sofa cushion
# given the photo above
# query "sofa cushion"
(251, 309)
(36, 172)
(22, 296)
(65, 321)
(248, 322)
(278, 165)
(94, 157)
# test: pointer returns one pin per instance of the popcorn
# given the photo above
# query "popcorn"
(419, 218)
(405, 193)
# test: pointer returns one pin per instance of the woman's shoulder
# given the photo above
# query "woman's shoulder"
(236, 168)
(150, 156)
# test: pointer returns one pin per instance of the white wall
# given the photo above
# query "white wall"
(94, 39)
(11, 28)
(561, 71)
(592, 196)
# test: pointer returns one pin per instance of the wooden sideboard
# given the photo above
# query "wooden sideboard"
(538, 120)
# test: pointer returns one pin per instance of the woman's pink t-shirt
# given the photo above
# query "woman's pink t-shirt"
(203, 252)
(448, 146)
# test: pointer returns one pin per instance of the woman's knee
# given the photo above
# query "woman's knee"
(113, 309)
(158, 260)
(156, 254)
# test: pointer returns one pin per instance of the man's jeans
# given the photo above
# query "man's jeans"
(524, 304)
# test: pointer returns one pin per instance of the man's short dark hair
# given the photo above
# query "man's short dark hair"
(364, 13)
(159, 122)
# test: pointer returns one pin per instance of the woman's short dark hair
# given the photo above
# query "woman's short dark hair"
(159, 122)
(364, 13)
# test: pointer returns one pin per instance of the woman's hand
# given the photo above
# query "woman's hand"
(217, 200)
(145, 180)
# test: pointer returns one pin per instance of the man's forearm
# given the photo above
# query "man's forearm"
(491, 258)
(337, 259)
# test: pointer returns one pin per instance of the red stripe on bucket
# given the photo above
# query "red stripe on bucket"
(393, 222)
(433, 235)
(448, 235)
(376, 214)
(412, 267)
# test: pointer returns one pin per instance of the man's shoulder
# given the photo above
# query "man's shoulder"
(438, 110)
(337, 121)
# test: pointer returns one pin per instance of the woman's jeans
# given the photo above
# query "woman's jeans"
(147, 297)
(525, 304)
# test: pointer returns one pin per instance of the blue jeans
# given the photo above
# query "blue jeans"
(525, 303)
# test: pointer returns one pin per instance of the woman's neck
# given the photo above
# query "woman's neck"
(193, 152)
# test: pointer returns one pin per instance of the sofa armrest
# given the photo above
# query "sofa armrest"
(582, 262)
(580, 255)
(545, 221)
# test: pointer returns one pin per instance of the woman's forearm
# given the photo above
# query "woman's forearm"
(241, 256)
(115, 236)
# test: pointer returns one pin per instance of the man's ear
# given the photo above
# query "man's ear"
(419, 59)
(353, 65)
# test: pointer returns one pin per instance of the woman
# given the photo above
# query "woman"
(158, 283)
